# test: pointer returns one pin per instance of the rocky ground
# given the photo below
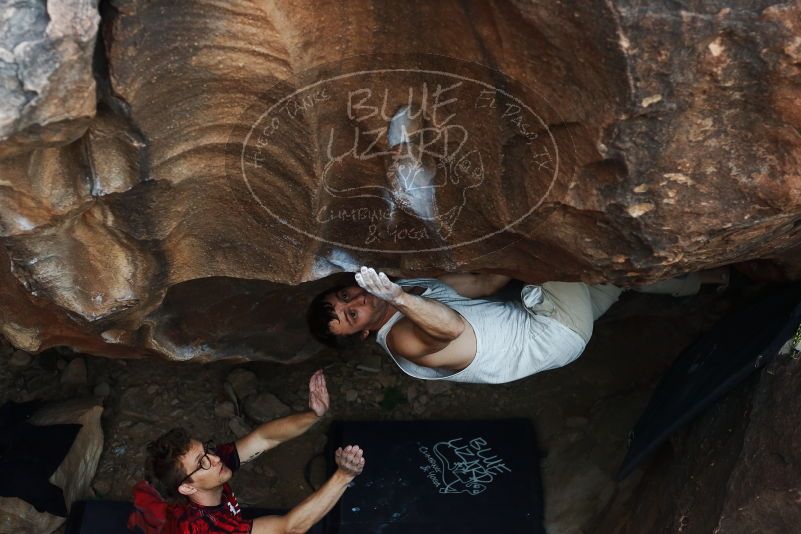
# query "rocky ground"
(583, 412)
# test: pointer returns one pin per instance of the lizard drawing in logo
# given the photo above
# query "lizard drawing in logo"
(422, 171)
(462, 470)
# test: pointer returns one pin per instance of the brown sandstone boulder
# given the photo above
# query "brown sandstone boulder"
(236, 152)
(47, 87)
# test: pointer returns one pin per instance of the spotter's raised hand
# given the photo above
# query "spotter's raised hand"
(350, 459)
(318, 394)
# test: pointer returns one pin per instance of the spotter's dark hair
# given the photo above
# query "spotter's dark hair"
(163, 467)
(320, 314)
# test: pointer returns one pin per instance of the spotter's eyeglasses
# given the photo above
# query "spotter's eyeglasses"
(204, 463)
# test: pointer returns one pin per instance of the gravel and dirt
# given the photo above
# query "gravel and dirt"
(583, 412)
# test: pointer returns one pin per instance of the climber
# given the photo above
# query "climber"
(445, 329)
(193, 478)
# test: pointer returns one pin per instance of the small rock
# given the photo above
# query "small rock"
(152, 389)
(225, 410)
(265, 407)
(351, 395)
(244, 382)
(20, 358)
(419, 405)
(103, 389)
(411, 392)
(138, 431)
(373, 360)
(387, 381)
(101, 488)
(238, 427)
(40, 380)
(137, 415)
(133, 398)
(231, 394)
(436, 387)
(74, 373)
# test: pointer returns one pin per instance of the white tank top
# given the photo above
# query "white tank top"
(511, 342)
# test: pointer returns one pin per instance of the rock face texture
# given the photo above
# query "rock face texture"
(47, 87)
(238, 150)
(736, 469)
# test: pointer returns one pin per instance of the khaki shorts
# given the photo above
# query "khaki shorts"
(574, 304)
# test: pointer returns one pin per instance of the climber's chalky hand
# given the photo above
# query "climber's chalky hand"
(378, 284)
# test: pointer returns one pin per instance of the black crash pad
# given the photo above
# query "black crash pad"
(736, 346)
(427, 477)
(110, 517)
(89, 517)
(29, 454)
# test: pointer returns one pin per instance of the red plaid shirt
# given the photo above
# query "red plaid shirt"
(152, 515)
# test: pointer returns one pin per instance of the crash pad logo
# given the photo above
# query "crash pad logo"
(398, 159)
(462, 466)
